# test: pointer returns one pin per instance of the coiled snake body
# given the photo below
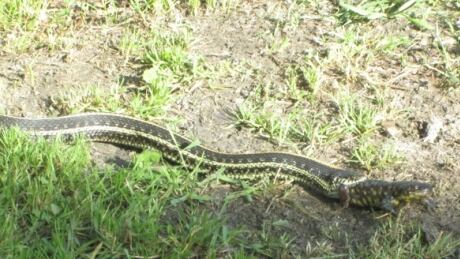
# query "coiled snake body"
(347, 186)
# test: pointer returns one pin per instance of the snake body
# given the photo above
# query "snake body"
(348, 186)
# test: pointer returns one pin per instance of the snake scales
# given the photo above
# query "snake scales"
(347, 186)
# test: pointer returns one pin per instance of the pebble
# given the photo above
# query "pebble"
(432, 129)
(390, 129)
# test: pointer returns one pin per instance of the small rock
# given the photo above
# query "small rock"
(43, 17)
(432, 129)
(390, 128)
(239, 101)
(448, 42)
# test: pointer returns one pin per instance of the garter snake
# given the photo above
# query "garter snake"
(348, 186)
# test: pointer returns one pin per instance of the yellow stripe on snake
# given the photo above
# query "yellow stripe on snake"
(347, 186)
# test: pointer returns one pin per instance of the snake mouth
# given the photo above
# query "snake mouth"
(405, 192)
(416, 191)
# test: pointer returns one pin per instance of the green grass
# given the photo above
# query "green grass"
(167, 67)
(398, 239)
(356, 116)
(20, 14)
(55, 203)
(25, 25)
(370, 156)
(449, 69)
(371, 10)
(285, 113)
(354, 121)
(295, 127)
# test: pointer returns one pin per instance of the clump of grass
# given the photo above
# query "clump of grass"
(397, 239)
(20, 14)
(277, 45)
(144, 102)
(89, 98)
(284, 112)
(132, 43)
(303, 82)
(169, 60)
(166, 7)
(390, 43)
(25, 25)
(221, 5)
(168, 67)
(18, 20)
(370, 156)
(350, 53)
(371, 10)
(448, 69)
(55, 203)
(264, 122)
(295, 125)
(158, 7)
(356, 116)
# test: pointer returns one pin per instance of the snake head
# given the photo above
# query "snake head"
(383, 194)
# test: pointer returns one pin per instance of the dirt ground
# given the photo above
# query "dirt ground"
(235, 37)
